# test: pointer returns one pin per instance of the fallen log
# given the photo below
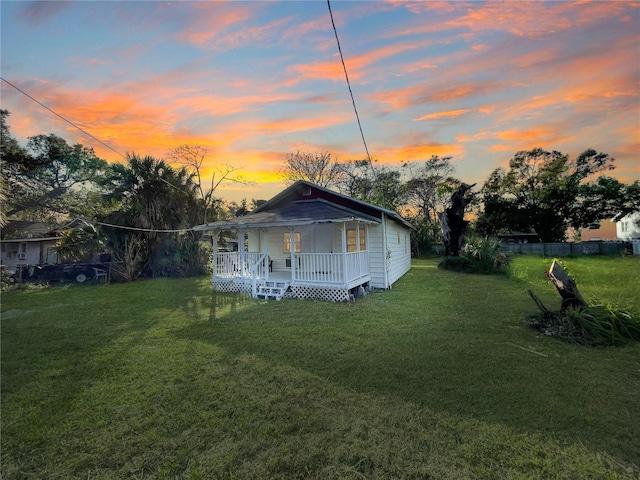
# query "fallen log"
(566, 287)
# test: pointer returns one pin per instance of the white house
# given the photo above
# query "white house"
(628, 226)
(310, 242)
(36, 245)
(32, 244)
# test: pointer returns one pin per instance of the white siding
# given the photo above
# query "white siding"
(627, 228)
(396, 259)
(399, 246)
(376, 257)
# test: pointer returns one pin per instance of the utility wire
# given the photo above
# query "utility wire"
(349, 84)
(58, 115)
(137, 229)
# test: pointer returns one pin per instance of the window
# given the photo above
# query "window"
(624, 227)
(352, 240)
(287, 242)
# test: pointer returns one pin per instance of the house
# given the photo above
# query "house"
(628, 226)
(32, 244)
(310, 242)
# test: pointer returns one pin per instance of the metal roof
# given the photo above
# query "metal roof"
(300, 212)
(287, 209)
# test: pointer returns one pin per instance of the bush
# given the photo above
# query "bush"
(479, 255)
(598, 324)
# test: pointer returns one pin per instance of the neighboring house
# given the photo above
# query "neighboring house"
(32, 244)
(310, 242)
(628, 226)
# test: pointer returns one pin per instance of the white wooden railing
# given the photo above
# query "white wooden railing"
(310, 268)
(357, 265)
(231, 265)
(258, 270)
(318, 268)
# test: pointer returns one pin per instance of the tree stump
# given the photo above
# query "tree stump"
(566, 287)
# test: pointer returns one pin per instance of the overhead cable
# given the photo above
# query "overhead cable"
(349, 83)
(138, 229)
(58, 115)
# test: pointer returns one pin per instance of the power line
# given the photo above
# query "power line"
(348, 83)
(137, 229)
(58, 115)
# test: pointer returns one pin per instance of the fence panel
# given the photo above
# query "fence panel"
(563, 249)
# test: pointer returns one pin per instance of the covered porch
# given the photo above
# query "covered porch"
(325, 261)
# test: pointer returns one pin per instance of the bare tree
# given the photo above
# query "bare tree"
(321, 169)
(192, 156)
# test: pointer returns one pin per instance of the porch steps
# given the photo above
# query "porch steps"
(272, 290)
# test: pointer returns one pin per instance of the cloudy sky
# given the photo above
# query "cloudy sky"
(254, 81)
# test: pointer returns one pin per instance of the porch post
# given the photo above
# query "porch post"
(292, 248)
(241, 252)
(264, 239)
(344, 255)
(214, 246)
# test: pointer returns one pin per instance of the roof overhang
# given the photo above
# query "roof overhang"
(247, 225)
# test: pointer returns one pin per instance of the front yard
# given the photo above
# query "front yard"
(439, 377)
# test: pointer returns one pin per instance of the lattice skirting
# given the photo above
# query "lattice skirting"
(318, 293)
(295, 291)
(231, 287)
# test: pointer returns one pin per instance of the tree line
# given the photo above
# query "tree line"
(142, 209)
(542, 192)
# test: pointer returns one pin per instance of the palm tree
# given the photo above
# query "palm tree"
(156, 202)
(77, 244)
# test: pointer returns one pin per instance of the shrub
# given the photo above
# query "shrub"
(598, 324)
(479, 255)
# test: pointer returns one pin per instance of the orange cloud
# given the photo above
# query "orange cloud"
(417, 152)
(356, 65)
(420, 95)
(445, 114)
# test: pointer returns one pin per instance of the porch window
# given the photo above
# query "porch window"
(287, 242)
(352, 240)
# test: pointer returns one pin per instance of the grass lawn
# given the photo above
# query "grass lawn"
(438, 378)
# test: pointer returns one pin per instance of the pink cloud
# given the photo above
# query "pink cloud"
(445, 114)
(356, 65)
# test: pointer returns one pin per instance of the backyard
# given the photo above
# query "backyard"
(438, 378)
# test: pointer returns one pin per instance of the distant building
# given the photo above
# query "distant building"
(628, 226)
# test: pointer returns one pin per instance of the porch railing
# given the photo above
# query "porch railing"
(318, 268)
(310, 268)
(357, 265)
(231, 265)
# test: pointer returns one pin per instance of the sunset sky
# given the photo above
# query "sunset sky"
(254, 81)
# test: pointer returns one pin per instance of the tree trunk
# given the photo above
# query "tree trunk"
(452, 221)
(566, 287)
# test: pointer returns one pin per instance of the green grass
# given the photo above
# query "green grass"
(438, 378)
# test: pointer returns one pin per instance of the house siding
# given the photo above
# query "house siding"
(399, 253)
(37, 252)
(399, 246)
(376, 257)
(626, 227)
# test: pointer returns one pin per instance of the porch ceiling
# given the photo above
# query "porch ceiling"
(304, 212)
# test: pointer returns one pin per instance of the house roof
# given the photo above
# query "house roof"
(304, 203)
(302, 212)
(622, 215)
(23, 231)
